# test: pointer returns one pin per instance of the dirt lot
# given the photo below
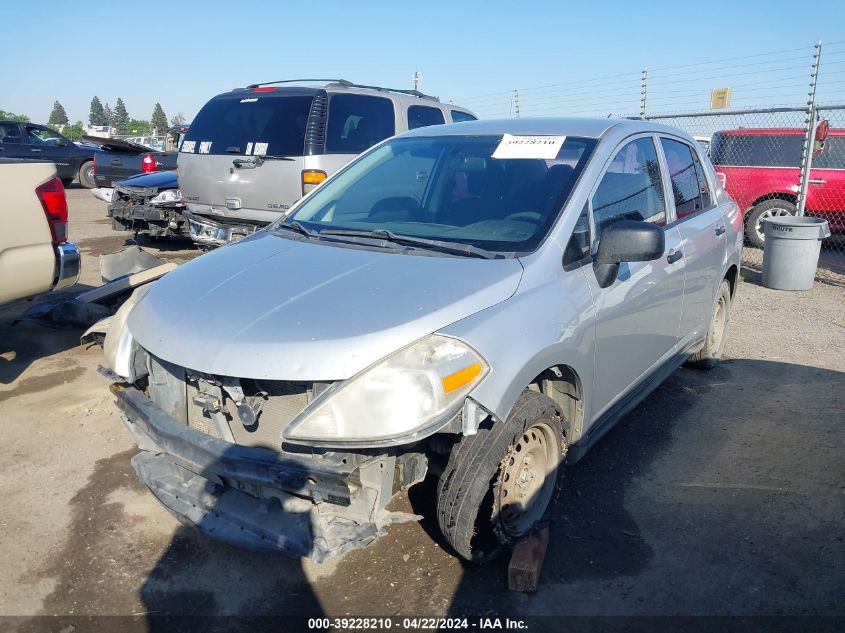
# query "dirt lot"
(723, 493)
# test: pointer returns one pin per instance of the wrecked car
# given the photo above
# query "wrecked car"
(474, 302)
(148, 204)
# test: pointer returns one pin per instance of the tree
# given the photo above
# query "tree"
(121, 117)
(109, 114)
(97, 115)
(58, 115)
(11, 116)
(179, 119)
(74, 132)
(138, 127)
(159, 120)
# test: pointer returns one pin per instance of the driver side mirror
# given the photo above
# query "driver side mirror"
(626, 241)
(61, 142)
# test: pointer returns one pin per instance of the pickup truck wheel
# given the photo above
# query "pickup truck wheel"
(709, 355)
(764, 210)
(499, 482)
(86, 175)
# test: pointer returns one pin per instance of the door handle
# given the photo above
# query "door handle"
(35, 150)
(720, 230)
(674, 256)
(116, 162)
(817, 181)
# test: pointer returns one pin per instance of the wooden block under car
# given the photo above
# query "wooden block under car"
(527, 561)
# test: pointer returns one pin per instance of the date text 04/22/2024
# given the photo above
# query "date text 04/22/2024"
(416, 624)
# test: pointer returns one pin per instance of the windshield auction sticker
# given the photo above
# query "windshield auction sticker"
(545, 147)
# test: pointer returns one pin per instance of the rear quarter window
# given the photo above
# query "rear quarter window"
(833, 154)
(423, 116)
(250, 125)
(460, 117)
(357, 122)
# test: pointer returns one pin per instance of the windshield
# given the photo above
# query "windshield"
(448, 188)
(250, 125)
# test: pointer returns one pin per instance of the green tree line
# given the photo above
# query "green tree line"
(103, 114)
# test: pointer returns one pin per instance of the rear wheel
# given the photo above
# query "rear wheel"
(86, 175)
(709, 355)
(499, 482)
(763, 211)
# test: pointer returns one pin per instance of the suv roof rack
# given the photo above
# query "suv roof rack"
(345, 84)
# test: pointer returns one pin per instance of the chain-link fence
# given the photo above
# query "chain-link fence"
(758, 156)
(763, 154)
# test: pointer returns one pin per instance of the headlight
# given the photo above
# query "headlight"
(119, 347)
(168, 196)
(407, 395)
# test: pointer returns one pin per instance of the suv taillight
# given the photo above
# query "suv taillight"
(148, 164)
(722, 178)
(52, 197)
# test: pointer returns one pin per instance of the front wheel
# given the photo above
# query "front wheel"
(499, 482)
(709, 355)
(763, 211)
(86, 175)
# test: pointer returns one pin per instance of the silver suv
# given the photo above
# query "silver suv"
(474, 302)
(252, 152)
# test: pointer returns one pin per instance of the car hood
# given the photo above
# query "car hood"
(155, 180)
(282, 309)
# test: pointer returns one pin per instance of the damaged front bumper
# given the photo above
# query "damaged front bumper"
(299, 504)
(134, 213)
(207, 232)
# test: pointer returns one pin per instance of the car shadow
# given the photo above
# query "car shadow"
(633, 508)
(212, 575)
(663, 515)
(24, 342)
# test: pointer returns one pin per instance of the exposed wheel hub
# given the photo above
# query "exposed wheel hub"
(527, 480)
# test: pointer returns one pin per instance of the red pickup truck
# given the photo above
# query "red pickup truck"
(761, 169)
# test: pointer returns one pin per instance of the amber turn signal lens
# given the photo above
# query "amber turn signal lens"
(461, 377)
(313, 176)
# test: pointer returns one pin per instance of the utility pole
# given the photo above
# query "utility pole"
(809, 132)
(417, 77)
(516, 103)
(643, 91)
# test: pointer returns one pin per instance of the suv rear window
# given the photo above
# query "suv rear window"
(250, 125)
(357, 122)
(757, 150)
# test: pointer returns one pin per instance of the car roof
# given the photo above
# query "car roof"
(288, 87)
(772, 131)
(546, 126)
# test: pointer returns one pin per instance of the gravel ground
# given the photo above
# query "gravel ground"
(721, 494)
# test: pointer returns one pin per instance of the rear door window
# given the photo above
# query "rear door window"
(423, 116)
(10, 133)
(459, 117)
(250, 125)
(685, 186)
(357, 122)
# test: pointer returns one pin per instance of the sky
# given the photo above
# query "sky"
(562, 57)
